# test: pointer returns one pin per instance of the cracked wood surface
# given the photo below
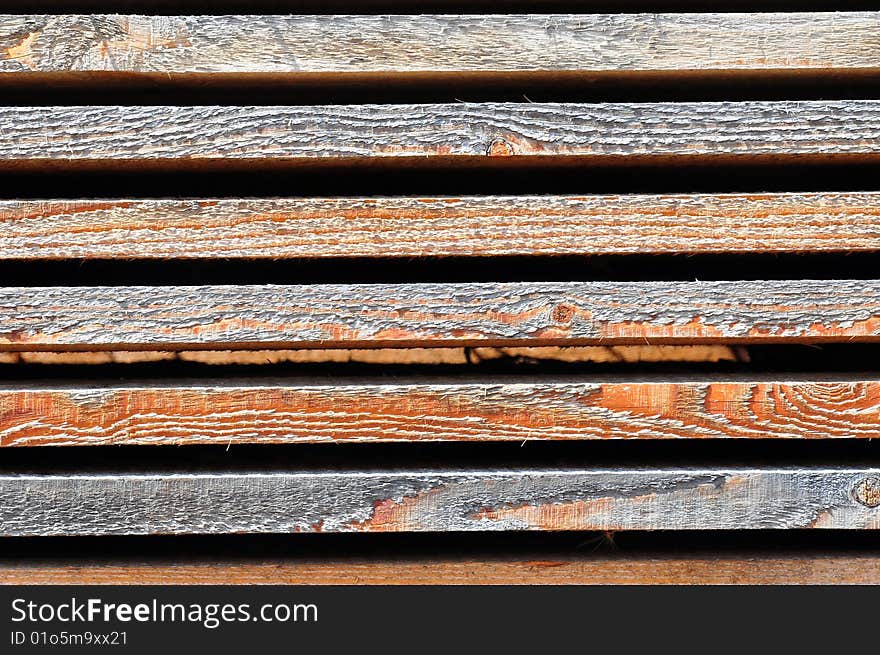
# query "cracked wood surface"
(539, 568)
(106, 136)
(437, 500)
(372, 315)
(230, 412)
(416, 227)
(439, 43)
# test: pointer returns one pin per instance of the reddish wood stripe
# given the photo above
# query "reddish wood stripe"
(540, 569)
(473, 411)
(413, 227)
(388, 356)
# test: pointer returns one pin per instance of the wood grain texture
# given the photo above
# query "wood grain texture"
(109, 135)
(372, 315)
(358, 44)
(486, 410)
(434, 500)
(416, 227)
(787, 569)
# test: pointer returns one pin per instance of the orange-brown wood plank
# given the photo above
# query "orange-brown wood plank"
(495, 409)
(412, 227)
(437, 314)
(823, 568)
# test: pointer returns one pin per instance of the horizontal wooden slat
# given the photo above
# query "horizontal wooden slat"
(426, 500)
(388, 356)
(750, 568)
(363, 44)
(437, 314)
(483, 410)
(109, 135)
(412, 227)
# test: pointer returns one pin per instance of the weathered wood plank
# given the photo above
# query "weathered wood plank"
(373, 315)
(415, 227)
(750, 568)
(110, 135)
(426, 500)
(479, 410)
(446, 43)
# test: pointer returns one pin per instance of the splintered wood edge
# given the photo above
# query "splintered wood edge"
(466, 133)
(451, 226)
(383, 411)
(438, 314)
(749, 568)
(297, 45)
(438, 500)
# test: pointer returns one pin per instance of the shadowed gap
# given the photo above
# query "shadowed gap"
(417, 547)
(835, 360)
(386, 178)
(444, 456)
(406, 270)
(127, 88)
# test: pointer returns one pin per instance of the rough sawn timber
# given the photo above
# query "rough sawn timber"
(300, 45)
(462, 226)
(435, 314)
(429, 500)
(108, 136)
(229, 412)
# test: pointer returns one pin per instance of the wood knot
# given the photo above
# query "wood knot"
(867, 491)
(563, 313)
(499, 148)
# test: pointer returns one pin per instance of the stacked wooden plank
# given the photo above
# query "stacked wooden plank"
(344, 54)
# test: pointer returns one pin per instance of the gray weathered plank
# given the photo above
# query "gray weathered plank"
(185, 412)
(438, 314)
(106, 134)
(446, 43)
(425, 500)
(413, 227)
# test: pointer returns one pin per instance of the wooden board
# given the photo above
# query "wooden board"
(749, 568)
(493, 409)
(363, 44)
(354, 315)
(438, 500)
(415, 227)
(107, 136)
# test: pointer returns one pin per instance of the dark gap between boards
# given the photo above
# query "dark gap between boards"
(233, 89)
(410, 270)
(530, 455)
(839, 361)
(394, 178)
(416, 547)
